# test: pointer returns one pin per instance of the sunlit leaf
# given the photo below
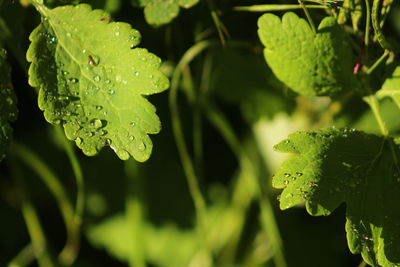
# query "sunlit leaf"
(335, 166)
(8, 108)
(391, 87)
(94, 81)
(310, 64)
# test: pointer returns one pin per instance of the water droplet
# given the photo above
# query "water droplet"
(96, 123)
(63, 98)
(78, 141)
(285, 182)
(137, 73)
(131, 138)
(65, 72)
(105, 113)
(299, 174)
(101, 132)
(118, 78)
(112, 92)
(108, 81)
(287, 174)
(116, 33)
(99, 107)
(107, 142)
(88, 134)
(84, 51)
(132, 123)
(142, 146)
(72, 80)
(53, 40)
(96, 78)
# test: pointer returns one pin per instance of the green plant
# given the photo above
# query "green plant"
(332, 89)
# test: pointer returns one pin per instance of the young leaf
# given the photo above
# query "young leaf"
(310, 64)
(158, 12)
(93, 81)
(8, 107)
(391, 87)
(333, 166)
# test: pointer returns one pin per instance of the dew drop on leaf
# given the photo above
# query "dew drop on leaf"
(142, 146)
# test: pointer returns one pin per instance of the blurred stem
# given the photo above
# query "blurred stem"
(378, 62)
(309, 18)
(377, 25)
(135, 214)
(70, 251)
(267, 216)
(374, 105)
(32, 221)
(269, 8)
(362, 264)
(222, 31)
(24, 257)
(367, 25)
(188, 167)
(55, 187)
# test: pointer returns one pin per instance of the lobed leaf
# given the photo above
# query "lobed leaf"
(8, 107)
(335, 166)
(391, 87)
(310, 64)
(159, 12)
(93, 80)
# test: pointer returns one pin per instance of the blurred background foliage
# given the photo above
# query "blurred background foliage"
(233, 110)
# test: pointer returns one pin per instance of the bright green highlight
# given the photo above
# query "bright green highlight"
(8, 101)
(391, 87)
(310, 64)
(93, 79)
(333, 166)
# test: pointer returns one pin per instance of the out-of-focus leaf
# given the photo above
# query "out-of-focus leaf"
(94, 81)
(391, 87)
(159, 12)
(333, 166)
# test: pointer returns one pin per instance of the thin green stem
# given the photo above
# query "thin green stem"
(35, 230)
(70, 251)
(304, 7)
(188, 167)
(270, 8)
(378, 62)
(377, 26)
(135, 214)
(267, 218)
(374, 105)
(24, 257)
(222, 31)
(367, 25)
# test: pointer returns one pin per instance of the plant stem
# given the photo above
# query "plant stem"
(24, 257)
(374, 105)
(32, 221)
(55, 187)
(367, 25)
(188, 167)
(222, 31)
(135, 214)
(378, 62)
(70, 251)
(251, 183)
(377, 26)
(269, 8)
(314, 29)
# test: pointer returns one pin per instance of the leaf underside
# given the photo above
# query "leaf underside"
(8, 100)
(310, 64)
(159, 12)
(93, 80)
(334, 166)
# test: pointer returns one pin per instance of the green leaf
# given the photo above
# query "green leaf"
(333, 166)
(8, 107)
(391, 87)
(164, 246)
(159, 12)
(310, 64)
(93, 81)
